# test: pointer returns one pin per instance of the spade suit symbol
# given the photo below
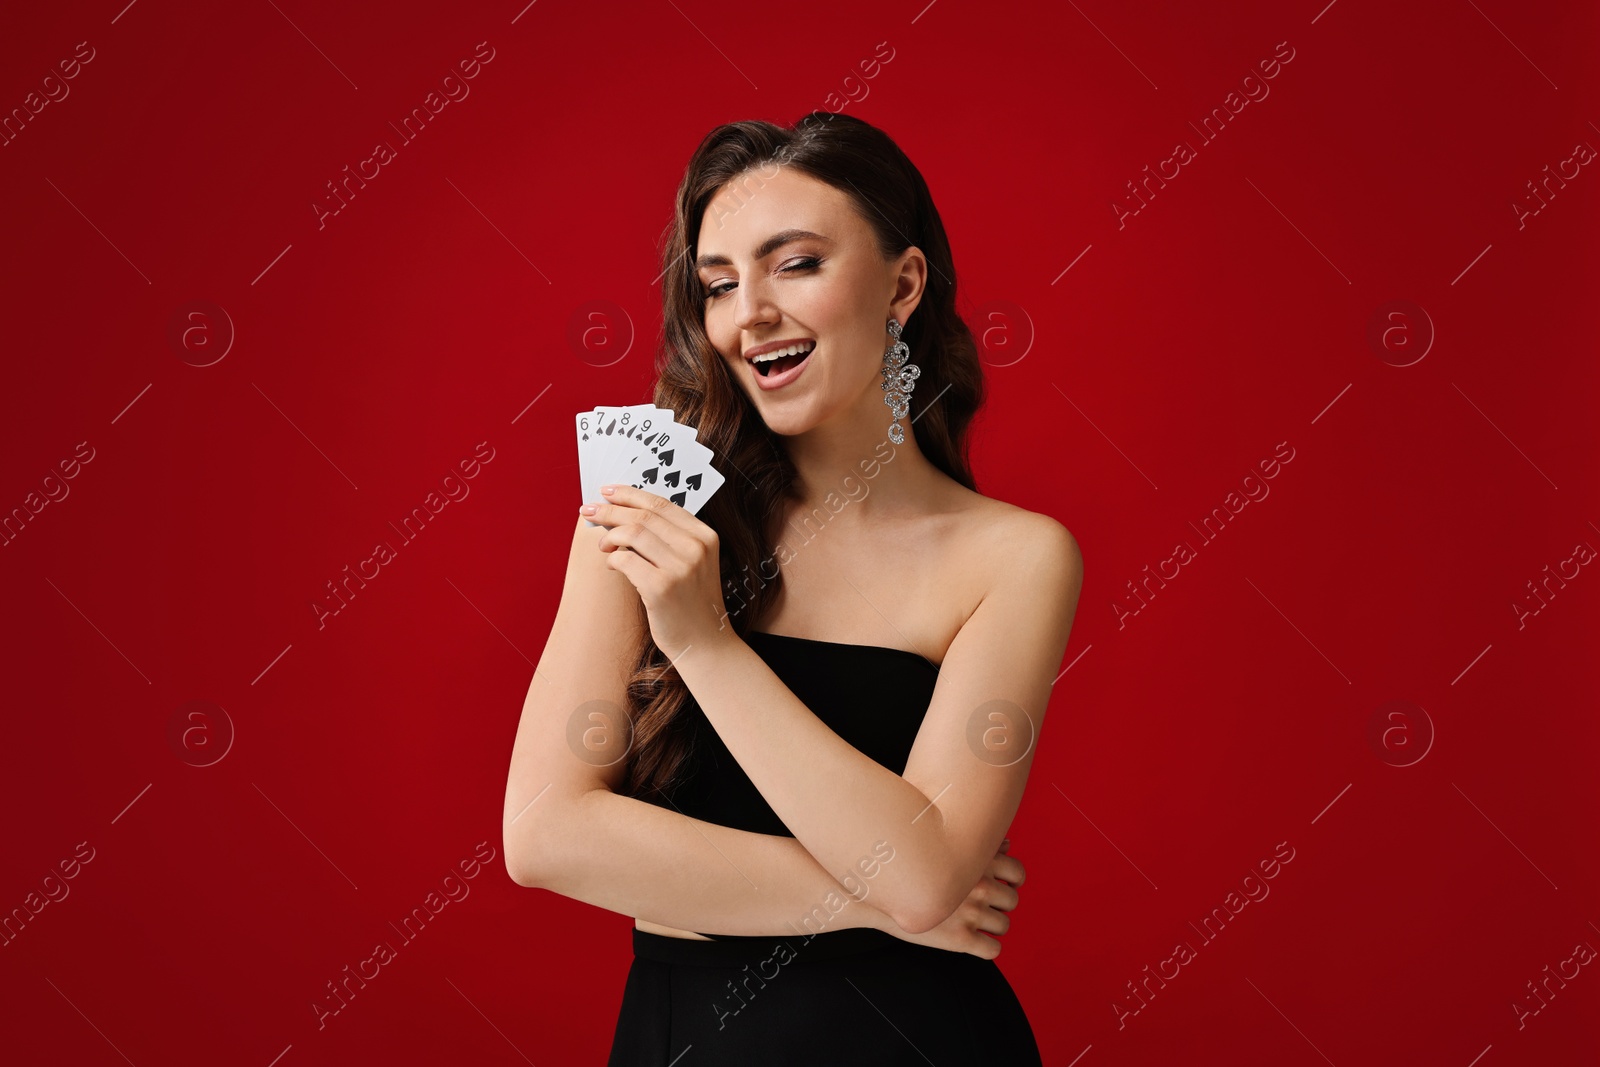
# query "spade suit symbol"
(671, 479)
(692, 482)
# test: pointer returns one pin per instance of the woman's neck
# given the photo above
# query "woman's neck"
(871, 477)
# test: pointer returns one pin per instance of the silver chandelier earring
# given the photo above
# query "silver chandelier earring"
(899, 377)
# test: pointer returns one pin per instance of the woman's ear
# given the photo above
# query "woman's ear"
(911, 278)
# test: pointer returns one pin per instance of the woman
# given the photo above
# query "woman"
(803, 718)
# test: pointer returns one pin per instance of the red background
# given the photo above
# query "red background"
(1130, 395)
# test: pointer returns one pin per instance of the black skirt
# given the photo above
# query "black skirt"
(838, 998)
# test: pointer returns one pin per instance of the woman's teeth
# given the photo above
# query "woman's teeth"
(781, 359)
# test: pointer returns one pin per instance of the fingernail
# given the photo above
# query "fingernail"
(587, 509)
(606, 489)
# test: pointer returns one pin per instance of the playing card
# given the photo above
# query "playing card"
(702, 484)
(645, 422)
(677, 469)
(610, 423)
(589, 447)
(660, 437)
(643, 446)
(654, 462)
(661, 421)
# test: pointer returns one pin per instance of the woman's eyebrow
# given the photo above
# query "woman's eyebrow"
(765, 249)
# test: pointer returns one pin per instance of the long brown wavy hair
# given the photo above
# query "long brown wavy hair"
(693, 381)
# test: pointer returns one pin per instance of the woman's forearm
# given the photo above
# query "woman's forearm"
(835, 798)
(653, 863)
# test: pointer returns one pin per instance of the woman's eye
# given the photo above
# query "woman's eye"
(799, 264)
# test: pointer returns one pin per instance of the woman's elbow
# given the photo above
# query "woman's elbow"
(516, 852)
(933, 898)
(531, 864)
(517, 857)
(921, 919)
(540, 838)
(530, 850)
(920, 912)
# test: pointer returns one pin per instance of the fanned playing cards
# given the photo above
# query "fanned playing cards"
(642, 446)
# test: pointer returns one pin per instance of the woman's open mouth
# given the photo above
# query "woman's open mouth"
(776, 373)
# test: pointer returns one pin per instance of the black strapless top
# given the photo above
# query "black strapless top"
(873, 696)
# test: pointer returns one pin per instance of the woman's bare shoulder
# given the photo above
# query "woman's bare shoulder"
(1028, 560)
(1000, 532)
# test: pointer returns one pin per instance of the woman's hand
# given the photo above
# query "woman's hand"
(671, 558)
(967, 929)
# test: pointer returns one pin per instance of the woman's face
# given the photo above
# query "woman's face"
(787, 258)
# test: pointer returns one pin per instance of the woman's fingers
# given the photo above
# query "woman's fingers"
(1007, 869)
(627, 504)
(643, 540)
(1005, 874)
(684, 541)
(994, 922)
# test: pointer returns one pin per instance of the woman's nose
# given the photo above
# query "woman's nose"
(753, 306)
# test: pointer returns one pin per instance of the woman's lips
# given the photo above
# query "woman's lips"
(779, 379)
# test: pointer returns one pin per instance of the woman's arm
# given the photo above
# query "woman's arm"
(566, 829)
(652, 863)
(969, 764)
